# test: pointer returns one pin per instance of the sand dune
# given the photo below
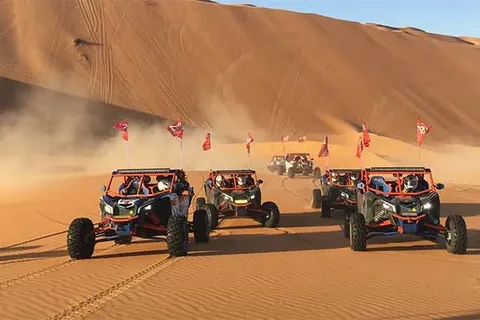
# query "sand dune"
(175, 58)
(69, 70)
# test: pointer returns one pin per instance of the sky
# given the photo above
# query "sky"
(449, 17)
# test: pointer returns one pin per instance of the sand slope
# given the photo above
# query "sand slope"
(178, 57)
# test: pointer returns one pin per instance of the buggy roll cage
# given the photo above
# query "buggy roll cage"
(235, 173)
(399, 173)
(348, 172)
(141, 174)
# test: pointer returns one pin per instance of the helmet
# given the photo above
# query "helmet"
(163, 185)
(241, 181)
(343, 178)
(410, 182)
(378, 183)
(220, 181)
(334, 177)
(353, 177)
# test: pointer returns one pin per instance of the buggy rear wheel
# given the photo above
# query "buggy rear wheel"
(326, 207)
(177, 236)
(201, 226)
(281, 170)
(81, 238)
(456, 234)
(358, 232)
(346, 224)
(316, 198)
(213, 215)
(271, 219)
(291, 172)
(200, 203)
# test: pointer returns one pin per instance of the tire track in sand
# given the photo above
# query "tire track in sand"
(34, 274)
(95, 302)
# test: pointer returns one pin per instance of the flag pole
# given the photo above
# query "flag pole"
(181, 154)
(126, 154)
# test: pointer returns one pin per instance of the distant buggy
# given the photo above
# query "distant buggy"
(277, 164)
(237, 193)
(300, 163)
(143, 203)
(402, 200)
(338, 191)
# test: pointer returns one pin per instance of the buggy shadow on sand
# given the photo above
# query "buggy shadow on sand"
(232, 193)
(144, 203)
(402, 200)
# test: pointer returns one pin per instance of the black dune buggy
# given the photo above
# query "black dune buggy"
(301, 163)
(237, 193)
(402, 200)
(143, 203)
(277, 164)
(338, 191)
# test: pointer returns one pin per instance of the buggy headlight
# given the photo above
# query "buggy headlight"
(427, 206)
(227, 197)
(343, 194)
(388, 206)
(108, 208)
(149, 207)
(252, 196)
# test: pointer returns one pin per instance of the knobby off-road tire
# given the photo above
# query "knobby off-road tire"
(281, 170)
(316, 198)
(346, 224)
(213, 215)
(291, 173)
(201, 226)
(358, 232)
(200, 203)
(81, 238)
(326, 208)
(177, 236)
(457, 227)
(272, 215)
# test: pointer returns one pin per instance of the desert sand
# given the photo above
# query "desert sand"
(228, 70)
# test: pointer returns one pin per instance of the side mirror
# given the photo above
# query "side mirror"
(440, 186)
(103, 188)
(260, 181)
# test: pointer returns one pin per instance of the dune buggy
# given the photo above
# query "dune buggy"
(237, 193)
(338, 191)
(144, 203)
(402, 200)
(277, 164)
(300, 163)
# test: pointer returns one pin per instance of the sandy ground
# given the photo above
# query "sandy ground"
(228, 70)
(303, 269)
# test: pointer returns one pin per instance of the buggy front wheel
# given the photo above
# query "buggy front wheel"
(456, 234)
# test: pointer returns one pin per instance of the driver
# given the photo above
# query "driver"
(132, 186)
(241, 181)
(220, 181)
(410, 183)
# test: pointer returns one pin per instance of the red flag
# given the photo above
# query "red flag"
(360, 147)
(122, 126)
(302, 139)
(207, 144)
(176, 129)
(285, 138)
(248, 142)
(365, 136)
(422, 130)
(324, 149)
